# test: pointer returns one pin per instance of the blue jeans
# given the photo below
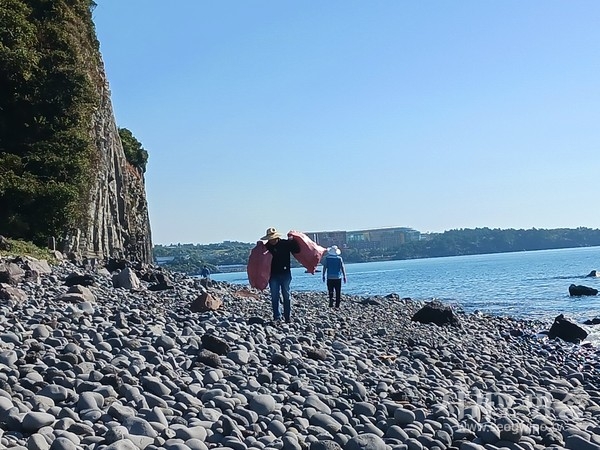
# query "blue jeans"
(281, 282)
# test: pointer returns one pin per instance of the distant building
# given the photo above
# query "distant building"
(378, 238)
(160, 260)
(232, 268)
(329, 238)
(381, 238)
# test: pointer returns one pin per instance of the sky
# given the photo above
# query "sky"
(350, 115)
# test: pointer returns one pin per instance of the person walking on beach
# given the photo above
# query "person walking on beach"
(205, 273)
(333, 268)
(281, 273)
(205, 276)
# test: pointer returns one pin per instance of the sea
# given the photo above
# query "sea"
(523, 285)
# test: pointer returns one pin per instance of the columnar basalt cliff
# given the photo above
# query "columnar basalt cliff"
(63, 170)
(117, 224)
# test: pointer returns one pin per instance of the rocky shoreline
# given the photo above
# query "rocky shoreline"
(99, 367)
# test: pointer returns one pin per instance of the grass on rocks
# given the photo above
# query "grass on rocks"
(25, 248)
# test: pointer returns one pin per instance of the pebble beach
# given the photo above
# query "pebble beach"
(98, 367)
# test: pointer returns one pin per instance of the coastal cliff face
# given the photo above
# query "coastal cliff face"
(63, 171)
(117, 224)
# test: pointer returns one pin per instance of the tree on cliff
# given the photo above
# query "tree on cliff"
(134, 152)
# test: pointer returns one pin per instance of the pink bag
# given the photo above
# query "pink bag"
(259, 266)
(310, 252)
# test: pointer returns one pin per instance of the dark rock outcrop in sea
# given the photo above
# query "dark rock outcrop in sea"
(100, 367)
(577, 290)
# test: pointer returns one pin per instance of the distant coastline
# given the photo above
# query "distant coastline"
(233, 256)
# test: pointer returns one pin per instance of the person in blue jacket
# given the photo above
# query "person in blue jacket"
(281, 273)
(334, 270)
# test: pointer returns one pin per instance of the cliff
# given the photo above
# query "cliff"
(63, 171)
(117, 222)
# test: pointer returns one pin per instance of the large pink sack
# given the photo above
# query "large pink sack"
(310, 252)
(259, 266)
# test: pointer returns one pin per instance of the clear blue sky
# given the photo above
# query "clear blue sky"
(347, 114)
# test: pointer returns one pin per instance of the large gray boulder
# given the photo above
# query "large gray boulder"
(126, 279)
(11, 273)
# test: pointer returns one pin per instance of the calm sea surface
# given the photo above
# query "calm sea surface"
(529, 285)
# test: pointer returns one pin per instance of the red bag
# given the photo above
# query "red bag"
(310, 252)
(259, 266)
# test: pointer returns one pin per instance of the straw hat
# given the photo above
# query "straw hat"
(334, 250)
(271, 234)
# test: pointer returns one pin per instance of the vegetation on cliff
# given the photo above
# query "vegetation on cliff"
(189, 258)
(135, 153)
(48, 96)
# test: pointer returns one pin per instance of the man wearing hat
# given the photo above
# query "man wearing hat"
(333, 267)
(281, 273)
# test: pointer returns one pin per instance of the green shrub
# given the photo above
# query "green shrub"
(134, 152)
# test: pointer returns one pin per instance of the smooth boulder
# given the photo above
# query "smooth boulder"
(436, 312)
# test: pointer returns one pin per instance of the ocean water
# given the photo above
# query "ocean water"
(526, 285)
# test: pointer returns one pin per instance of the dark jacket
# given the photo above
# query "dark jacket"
(282, 254)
